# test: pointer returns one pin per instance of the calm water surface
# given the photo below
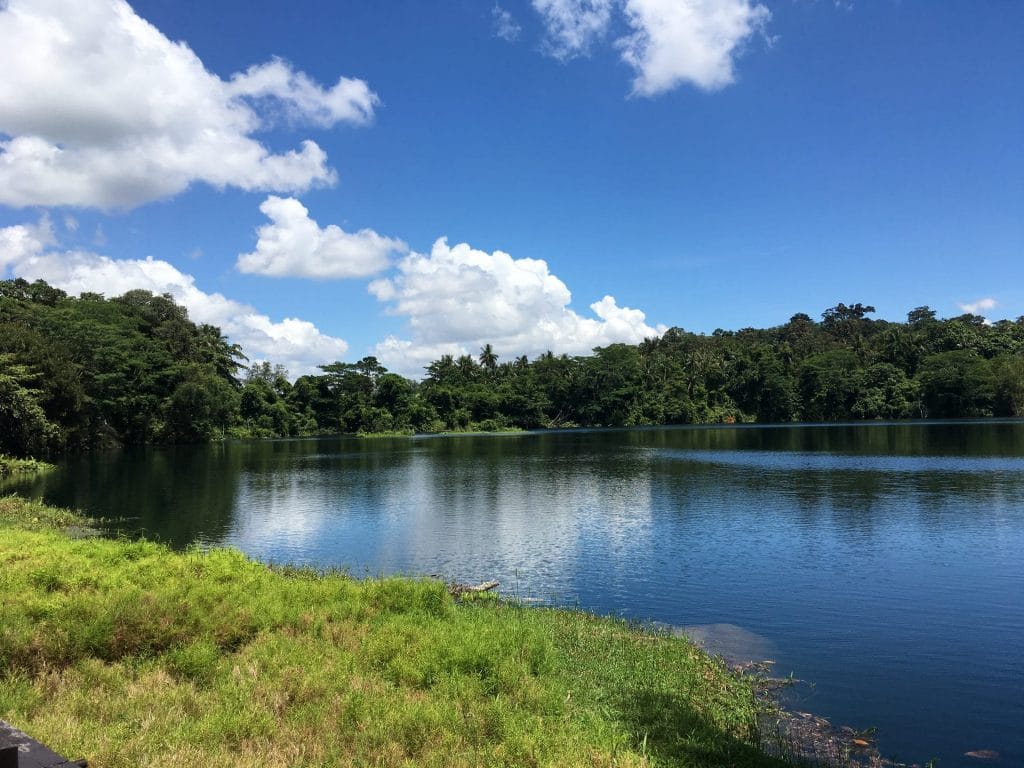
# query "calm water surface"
(883, 563)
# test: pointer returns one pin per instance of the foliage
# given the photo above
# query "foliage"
(30, 515)
(89, 371)
(12, 466)
(957, 383)
(130, 654)
(24, 426)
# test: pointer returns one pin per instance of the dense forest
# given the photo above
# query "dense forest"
(87, 371)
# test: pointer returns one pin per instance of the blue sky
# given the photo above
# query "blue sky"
(705, 163)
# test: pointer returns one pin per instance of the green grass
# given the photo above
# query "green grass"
(17, 514)
(12, 466)
(472, 429)
(388, 433)
(130, 654)
(482, 429)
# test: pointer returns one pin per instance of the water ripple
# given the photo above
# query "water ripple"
(812, 461)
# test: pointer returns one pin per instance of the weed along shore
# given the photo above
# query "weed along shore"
(130, 654)
(10, 466)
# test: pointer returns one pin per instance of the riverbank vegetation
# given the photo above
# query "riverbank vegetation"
(77, 372)
(14, 466)
(130, 654)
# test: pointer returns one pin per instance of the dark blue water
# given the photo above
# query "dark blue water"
(882, 563)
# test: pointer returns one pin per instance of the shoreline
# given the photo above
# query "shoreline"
(782, 731)
(128, 652)
(785, 729)
(11, 466)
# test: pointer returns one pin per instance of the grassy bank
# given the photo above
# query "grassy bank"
(468, 431)
(391, 433)
(12, 466)
(129, 654)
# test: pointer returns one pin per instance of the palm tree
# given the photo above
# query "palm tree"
(466, 366)
(487, 358)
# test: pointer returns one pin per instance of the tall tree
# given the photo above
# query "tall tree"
(488, 360)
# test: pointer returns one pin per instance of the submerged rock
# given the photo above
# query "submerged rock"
(733, 643)
(982, 754)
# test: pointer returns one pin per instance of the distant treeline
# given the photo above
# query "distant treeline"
(82, 372)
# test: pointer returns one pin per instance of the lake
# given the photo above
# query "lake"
(881, 563)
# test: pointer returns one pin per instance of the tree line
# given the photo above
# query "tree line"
(87, 371)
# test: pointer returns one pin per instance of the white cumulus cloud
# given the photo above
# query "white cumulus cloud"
(303, 101)
(979, 306)
(24, 241)
(99, 109)
(30, 251)
(573, 25)
(293, 244)
(687, 41)
(458, 298)
(671, 42)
